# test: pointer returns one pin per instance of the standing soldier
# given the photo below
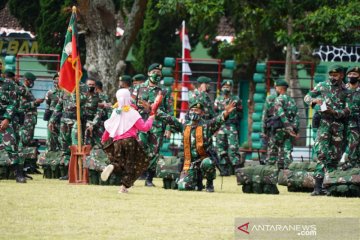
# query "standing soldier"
(153, 139)
(104, 112)
(201, 93)
(353, 131)
(330, 132)
(66, 108)
(51, 99)
(125, 81)
(227, 139)
(28, 106)
(283, 125)
(91, 109)
(8, 103)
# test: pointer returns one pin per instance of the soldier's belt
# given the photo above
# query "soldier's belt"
(69, 115)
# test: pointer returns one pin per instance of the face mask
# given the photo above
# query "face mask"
(194, 116)
(353, 79)
(225, 91)
(31, 84)
(334, 81)
(91, 89)
(154, 78)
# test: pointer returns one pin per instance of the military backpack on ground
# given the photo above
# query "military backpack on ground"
(50, 163)
(258, 179)
(168, 168)
(299, 177)
(96, 162)
(341, 183)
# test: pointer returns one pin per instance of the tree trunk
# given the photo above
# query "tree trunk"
(100, 24)
(133, 26)
(291, 76)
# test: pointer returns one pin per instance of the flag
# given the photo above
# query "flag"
(70, 60)
(186, 71)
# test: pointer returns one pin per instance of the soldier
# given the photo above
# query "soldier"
(105, 108)
(138, 79)
(66, 108)
(227, 139)
(353, 131)
(91, 109)
(153, 139)
(201, 93)
(330, 132)
(197, 140)
(51, 99)
(268, 113)
(125, 82)
(283, 125)
(28, 106)
(8, 103)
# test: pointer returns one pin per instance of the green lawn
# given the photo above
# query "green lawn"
(53, 209)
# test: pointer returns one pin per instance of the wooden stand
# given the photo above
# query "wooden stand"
(77, 173)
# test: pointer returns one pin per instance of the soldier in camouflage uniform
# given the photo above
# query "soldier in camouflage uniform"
(153, 139)
(268, 113)
(202, 94)
(8, 103)
(105, 110)
(353, 131)
(197, 140)
(51, 99)
(66, 108)
(28, 106)
(330, 132)
(285, 123)
(92, 109)
(227, 138)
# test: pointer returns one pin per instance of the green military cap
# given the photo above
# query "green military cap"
(139, 77)
(154, 66)
(30, 76)
(203, 79)
(9, 73)
(196, 104)
(228, 82)
(336, 69)
(281, 83)
(353, 69)
(126, 78)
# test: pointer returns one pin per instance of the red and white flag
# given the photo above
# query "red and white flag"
(186, 71)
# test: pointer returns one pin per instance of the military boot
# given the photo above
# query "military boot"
(199, 183)
(149, 178)
(210, 186)
(318, 189)
(19, 173)
(223, 170)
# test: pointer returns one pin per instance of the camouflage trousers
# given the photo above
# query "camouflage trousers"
(353, 138)
(27, 130)
(227, 144)
(152, 141)
(329, 146)
(8, 143)
(280, 149)
(198, 171)
(53, 138)
(129, 159)
(94, 138)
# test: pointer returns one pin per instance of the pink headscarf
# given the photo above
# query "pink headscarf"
(123, 117)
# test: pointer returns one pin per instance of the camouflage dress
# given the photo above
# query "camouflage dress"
(53, 138)
(353, 129)
(286, 110)
(227, 138)
(268, 112)
(330, 132)
(8, 102)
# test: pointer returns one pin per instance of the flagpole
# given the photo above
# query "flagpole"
(78, 116)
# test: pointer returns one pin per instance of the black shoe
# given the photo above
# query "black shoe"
(318, 189)
(149, 184)
(28, 177)
(209, 186)
(20, 180)
(64, 178)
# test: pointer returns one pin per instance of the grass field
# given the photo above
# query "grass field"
(53, 209)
